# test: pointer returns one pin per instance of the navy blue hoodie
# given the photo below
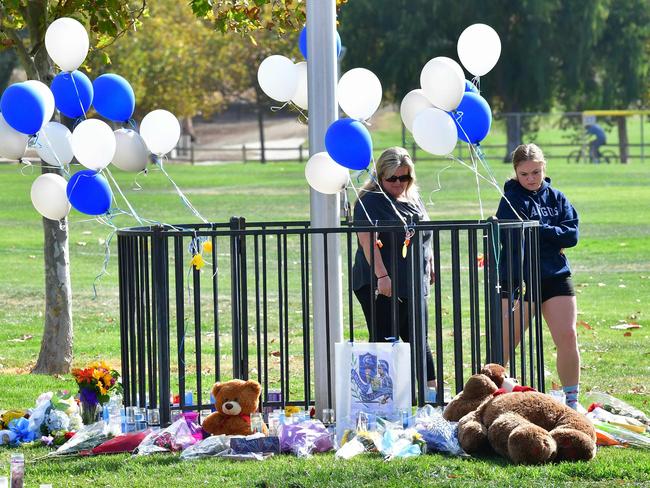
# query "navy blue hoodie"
(557, 218)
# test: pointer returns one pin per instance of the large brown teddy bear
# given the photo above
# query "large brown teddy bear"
(526, 427)
(235, 401)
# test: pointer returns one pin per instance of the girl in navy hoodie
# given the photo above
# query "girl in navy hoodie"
(531, 196)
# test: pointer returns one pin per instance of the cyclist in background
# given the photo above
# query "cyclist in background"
(594, 145)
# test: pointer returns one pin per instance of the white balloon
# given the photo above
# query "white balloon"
(443, 82)
(278, 77)
(325, 175)
(131, 153)
(479, 48)
(300, 98)
(435, 131)
(49, 197)
(66, 41)
(47, 96)
(161, 131)
(93, 144)
(359, 93)
(55, 144)
(413, 103)
(13, 144)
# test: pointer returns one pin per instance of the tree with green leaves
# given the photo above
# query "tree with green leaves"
(22, 28)
(572, 55)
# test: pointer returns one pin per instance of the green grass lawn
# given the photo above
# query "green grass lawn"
(611, 270)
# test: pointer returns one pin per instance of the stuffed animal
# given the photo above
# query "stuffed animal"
(234, 401)
(476, 390)
(524, 426)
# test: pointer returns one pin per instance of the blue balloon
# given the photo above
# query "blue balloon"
(302, 43)
(471, 87)
(89, 192)
(348, 142)
(23, 108)
(474, 116)
(73, 93)
(114, 97)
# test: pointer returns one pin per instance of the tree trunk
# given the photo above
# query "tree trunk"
(55, 356)
(622, 139)
(514, 132)
(189, 128)
(260, 123)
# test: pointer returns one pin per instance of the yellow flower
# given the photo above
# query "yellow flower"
(290, 410)
(197, 261)
(98, 375)
(102, 390)
(207, 246)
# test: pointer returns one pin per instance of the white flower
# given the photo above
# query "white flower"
(57, 420)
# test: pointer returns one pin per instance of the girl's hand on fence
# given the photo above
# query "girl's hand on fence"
(384, 286)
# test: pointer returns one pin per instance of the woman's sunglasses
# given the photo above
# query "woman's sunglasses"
(401, 179)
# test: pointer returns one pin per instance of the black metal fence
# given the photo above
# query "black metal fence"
(247, 313)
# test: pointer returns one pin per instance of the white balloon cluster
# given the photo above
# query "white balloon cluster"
(92, 142)
(425, 111)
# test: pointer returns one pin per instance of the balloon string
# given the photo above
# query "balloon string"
(81, 105)
(107, 220)
(182, 196)
(431, 202)
(136, 185)
(128, 204)
(478, 183)
(362, 205)
(304, 120)
(491, 181)
(458, 115)
(26, 164)
(48, 144)
(277, 109)
(477, 83)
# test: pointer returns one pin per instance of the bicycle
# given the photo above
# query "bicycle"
(583, 155)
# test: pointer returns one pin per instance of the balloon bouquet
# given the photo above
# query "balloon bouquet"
(448, 107)
(26, 110)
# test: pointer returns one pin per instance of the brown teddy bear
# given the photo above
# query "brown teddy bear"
(524, 426)
(234, 400)
(477, 388)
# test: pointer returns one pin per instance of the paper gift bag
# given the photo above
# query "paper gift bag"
(374, 378)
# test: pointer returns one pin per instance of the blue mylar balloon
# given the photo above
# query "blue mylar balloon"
(89, 192)
(114, 97)
(348, 142)
(23, 108)
(73, 93)
(474, 116)
(471, 87)
(302, 43)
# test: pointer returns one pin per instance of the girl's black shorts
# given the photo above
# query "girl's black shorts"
(556, 286)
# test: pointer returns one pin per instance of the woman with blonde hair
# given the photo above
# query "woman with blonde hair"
(530, 194)
(390, 197)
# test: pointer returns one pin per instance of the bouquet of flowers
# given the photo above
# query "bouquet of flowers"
(95, 383)
(55, 417)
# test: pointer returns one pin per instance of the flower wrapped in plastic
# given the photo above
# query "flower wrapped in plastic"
(174, 438)
(208, 447)
(439, 434)
(304, 438)
(88, 437)
(401, 443)
(618, 407)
